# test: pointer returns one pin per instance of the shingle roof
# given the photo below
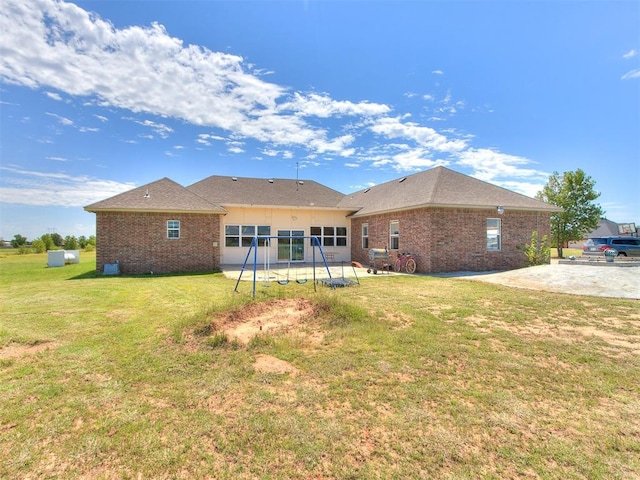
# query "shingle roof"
(606, 228)
(162, 195)
(276, 192)
(438, 186)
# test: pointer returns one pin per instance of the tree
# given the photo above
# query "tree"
(70, 243)
(47, 241)
(57, 239)
(574, 193)
(39, 246)
(18, 241)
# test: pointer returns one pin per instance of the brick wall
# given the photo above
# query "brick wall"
(452, 239)
(138, 241)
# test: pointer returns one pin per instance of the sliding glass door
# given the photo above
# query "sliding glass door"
(291, 249)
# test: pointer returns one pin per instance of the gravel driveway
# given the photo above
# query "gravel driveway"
(598, 281)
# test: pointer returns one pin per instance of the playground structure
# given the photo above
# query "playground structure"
(300, 273)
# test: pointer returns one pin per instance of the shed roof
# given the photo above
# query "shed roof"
(275, 192)
(442, 187)
(163, 195)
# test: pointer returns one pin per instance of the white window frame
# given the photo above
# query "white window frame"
(329, 236)
(365, 235)
(494, 234)
(173, 229)
(394, 235)
(243, 234)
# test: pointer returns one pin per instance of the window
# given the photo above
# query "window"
(494, 234)
(394, 235)
(365, 235)
(242, 235)
(173, 229)
(330, 236)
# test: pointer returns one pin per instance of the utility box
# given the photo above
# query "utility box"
(60, 258)
(55, 258)
(71, 256)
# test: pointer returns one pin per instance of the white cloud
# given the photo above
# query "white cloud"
(526, 188)
(437, 72)
(161, 129)
(425, 137)
(632, 74)
(24, 187)
(205, 139)
(630, 54)
(102, 118)
(57, 159)
(53, 96)
(492, 166)
(410, 161)
(270, 152)
(69, 49)
(61, 119)
(323, 106)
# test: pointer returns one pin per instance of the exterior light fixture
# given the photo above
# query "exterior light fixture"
(500, 209)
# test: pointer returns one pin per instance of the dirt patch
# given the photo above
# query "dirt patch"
(266, 317)
(17, 350)
(269, 364)
(539, 329)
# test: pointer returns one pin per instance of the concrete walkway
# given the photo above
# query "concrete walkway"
(593, 279)
(577, 278)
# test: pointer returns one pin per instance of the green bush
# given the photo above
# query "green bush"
(537, 252)
(39, 246)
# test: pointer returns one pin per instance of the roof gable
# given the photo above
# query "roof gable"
(275, 192)
(439, 186)
(162, 195)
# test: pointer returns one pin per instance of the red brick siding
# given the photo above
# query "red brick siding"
(449, 240)
(138, 241)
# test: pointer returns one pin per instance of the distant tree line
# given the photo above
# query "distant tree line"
(53, 241)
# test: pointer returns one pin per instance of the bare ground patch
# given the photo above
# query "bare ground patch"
(282, 315)
(569, 333)
(18, 350)
(270, 364)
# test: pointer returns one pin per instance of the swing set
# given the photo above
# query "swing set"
(281, 278)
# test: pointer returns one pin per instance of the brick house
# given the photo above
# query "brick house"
(450, 221)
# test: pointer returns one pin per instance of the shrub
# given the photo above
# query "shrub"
(537, 251)
(39, 246)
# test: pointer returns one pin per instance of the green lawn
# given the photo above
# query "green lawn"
(400, 377)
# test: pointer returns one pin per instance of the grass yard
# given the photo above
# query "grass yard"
(400, 377)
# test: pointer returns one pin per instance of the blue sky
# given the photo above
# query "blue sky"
(98, 97)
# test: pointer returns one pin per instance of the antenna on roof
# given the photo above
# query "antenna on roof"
(297, 181)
